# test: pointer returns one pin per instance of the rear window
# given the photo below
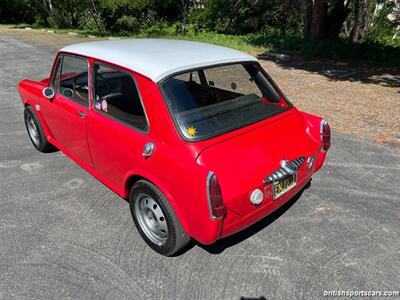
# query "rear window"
(212, 101)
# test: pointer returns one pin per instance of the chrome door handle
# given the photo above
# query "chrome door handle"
(82, 114)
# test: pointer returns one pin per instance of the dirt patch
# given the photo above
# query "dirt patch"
(46, 38)
(361, 101)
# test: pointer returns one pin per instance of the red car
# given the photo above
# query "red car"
(198, 137)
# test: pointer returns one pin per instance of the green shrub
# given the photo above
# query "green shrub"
(274, 41)
(159, 29)
(358, 52)
(127, 25)
(41, 21)
(148, 19)
(89, 24)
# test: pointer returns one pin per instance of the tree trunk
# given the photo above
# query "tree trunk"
(359, 16)
(52, 12)
(95, 15)
(307, 17)
(184, 11)
(347, 29)
(233, 16)
(337, 17)
(328, 25)
(283, 21)
(318, 20)
(369, 14)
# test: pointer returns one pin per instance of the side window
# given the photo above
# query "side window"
(233, 78)
(116, 95)
(190, 77)
(74, 79)
(55, 79)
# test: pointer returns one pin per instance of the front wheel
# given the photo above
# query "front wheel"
(156, 220)
(35, 131)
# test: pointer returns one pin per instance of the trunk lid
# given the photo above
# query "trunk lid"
(242, 162)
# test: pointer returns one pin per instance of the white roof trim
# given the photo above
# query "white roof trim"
(158, 58)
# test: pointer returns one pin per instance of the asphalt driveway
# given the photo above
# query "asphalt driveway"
(64, 234)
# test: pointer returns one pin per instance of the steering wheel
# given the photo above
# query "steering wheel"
(80, 88)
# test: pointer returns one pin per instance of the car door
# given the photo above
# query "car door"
(66, 113)
(117, 124)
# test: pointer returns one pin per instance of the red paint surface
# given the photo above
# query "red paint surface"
(241, 159)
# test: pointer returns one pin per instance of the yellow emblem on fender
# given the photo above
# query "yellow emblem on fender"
(191, 131)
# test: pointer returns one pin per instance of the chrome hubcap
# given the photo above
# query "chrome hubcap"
(151, 219)
(32, 130)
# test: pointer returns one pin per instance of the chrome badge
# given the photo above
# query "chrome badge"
(287, 168)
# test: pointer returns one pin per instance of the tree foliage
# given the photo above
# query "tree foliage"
(353, 20)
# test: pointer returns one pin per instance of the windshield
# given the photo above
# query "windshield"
(211, 101)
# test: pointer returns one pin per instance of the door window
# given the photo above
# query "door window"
(116, 95)
(55, 79)
(73, 81)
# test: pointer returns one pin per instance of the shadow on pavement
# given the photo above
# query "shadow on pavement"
(230, 241)
(339, 71)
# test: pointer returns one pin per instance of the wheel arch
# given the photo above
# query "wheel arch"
(29, 103)
(133, 178)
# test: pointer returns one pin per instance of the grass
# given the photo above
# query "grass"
(371, 53)
(231, 41)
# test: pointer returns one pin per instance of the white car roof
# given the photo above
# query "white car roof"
(158, 58)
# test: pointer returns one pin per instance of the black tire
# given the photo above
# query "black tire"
(177, 238)
(38, 138)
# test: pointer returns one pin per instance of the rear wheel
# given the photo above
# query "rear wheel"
(35, 131)
(155, 219)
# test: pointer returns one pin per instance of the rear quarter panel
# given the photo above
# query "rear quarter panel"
(117, 155)
(174, 170)
(313, 129)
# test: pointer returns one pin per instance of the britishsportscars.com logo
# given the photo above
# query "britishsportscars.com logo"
(351, 294)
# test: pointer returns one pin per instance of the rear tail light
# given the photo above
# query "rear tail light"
(325, 135)
(214, 195)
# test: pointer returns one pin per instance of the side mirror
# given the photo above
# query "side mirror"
(48, 93)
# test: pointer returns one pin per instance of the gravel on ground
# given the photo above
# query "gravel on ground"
(361, 101)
